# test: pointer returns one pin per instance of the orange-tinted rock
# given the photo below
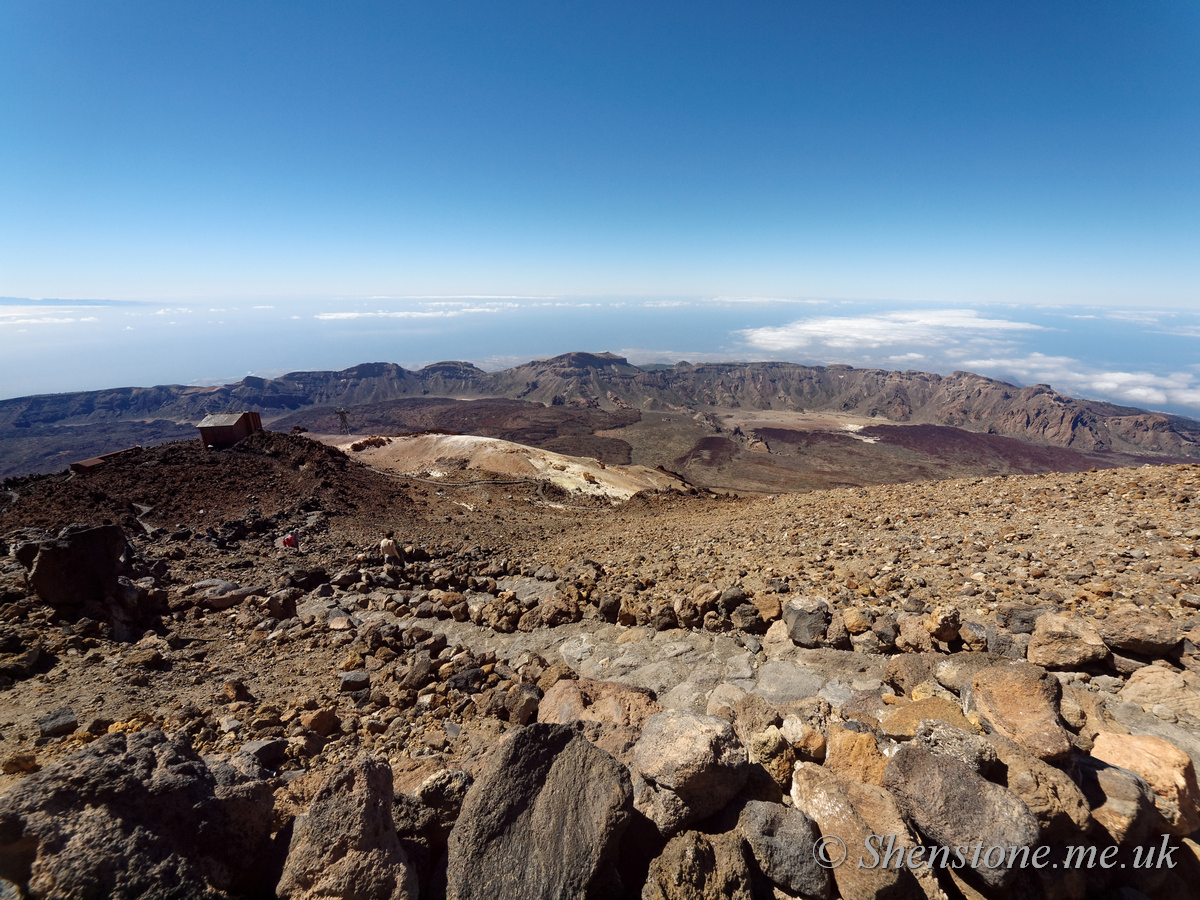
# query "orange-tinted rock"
(902, 721)
(854, 755)
(607, 702)
(1021, 702)
(1167, 769)
(1064, 642)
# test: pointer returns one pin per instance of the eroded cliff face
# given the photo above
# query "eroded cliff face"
(1038, 413)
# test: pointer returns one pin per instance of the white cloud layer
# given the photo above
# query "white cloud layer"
(464, 297)
(1135, 316)
(418, 313)
(942, 340)
(864, 332)
(1072, 377)
(764, 300)
(38, 320)
(36, 315)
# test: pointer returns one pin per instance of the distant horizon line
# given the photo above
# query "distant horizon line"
(724, 297)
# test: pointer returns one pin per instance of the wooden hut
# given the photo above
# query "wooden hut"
(87, 465)
(222, 430)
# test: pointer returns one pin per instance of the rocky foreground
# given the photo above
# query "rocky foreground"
(674, 698)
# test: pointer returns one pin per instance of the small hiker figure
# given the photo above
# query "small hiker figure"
(389, 549)
(290, 540)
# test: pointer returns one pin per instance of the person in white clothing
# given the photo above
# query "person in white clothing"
(388, 548)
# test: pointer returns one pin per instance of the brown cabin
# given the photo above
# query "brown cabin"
(87, 465)
(222, 430)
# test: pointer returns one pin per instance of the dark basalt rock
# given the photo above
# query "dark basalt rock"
(137, 815)
(543, 820)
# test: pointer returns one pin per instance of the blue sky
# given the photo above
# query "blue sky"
(847, 162)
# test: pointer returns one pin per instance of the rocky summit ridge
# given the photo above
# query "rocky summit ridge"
(546, 694)
(604, 381)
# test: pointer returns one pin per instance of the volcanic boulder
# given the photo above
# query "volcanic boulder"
(543, 820)
(78, 572)
(953, 806)
(346, 845)
(133, 816)
(686, 767)
(1020, 701)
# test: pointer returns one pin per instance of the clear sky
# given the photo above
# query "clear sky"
(316, 157)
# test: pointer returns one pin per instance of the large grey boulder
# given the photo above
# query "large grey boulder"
(782, 681)
(346, 843)
(1152, 686)
(543, 820)
(806, 620)
(686, 767)
(1140, 631)
(81, 564)
(1122, 802)
(781, 840)
(137, 815)
(952, 806)
(78, 572)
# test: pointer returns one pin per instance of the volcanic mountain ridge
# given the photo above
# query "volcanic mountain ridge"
(43, 433)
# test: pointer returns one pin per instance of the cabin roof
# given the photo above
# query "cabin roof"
(219, 420)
